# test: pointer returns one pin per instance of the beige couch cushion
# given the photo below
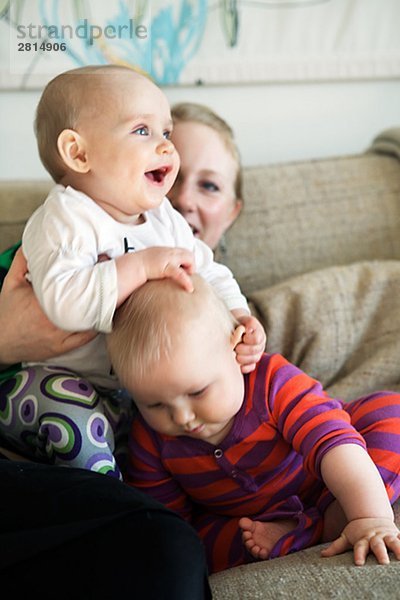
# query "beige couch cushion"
(341, 325)
(305, 575)
(305, 216)
(18, 201)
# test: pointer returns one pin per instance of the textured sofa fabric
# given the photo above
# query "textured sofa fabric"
(306, 576)
(317, 251)
(340, 325)
(305, 216)
(18, 200)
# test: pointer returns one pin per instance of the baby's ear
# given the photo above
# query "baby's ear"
(236, 335)
(72, 149)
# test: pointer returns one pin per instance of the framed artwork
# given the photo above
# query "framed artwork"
(187, 42)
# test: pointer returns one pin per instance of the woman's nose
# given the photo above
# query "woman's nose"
(181, 197)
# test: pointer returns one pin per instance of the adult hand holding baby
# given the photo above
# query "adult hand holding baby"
(29, 335)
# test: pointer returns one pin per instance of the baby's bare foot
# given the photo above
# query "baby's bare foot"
(260, 537)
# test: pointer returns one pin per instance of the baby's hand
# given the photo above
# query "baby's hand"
(375, 535)
(172, 263)
(249, 351)
(134, 269)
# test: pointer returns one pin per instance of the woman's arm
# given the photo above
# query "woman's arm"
(26, 333)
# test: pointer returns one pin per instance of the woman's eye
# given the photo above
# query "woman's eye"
(157, 405)
(209, 186)
(141, 131)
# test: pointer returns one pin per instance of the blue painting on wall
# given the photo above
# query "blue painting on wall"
(188, 42)
(47, 36)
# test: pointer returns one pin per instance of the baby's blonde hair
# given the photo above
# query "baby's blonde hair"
(60, 106)
(155, 317)
(190, 112)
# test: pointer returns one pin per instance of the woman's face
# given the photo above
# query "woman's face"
(204, 191)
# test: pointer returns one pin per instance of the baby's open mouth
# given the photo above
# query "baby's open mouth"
(158, 175)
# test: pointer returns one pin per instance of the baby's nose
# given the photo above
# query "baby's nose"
(182, 415)
(165, 147)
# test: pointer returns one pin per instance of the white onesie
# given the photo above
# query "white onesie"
(62, 242)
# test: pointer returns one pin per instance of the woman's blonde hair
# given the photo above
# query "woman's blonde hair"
(155, 317)
(185, 112)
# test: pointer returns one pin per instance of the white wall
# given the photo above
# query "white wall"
(273, 123)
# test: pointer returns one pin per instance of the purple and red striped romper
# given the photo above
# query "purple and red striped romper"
(268, 465)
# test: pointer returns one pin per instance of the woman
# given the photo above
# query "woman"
(208, 189)
(81, 533)
(208, 194)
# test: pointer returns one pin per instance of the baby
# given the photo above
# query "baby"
(262, 464)
(105, 229)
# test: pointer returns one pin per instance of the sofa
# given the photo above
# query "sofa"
(317, 252)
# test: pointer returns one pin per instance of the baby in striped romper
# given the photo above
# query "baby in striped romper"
(262, 464)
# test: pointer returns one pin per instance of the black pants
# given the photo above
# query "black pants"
(68, 533)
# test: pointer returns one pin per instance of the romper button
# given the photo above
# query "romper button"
(218, 453)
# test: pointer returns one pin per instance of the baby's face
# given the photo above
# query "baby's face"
(133, 164)
(197, 392)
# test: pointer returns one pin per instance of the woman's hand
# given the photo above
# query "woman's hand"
(366, 535)
(26, 333)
